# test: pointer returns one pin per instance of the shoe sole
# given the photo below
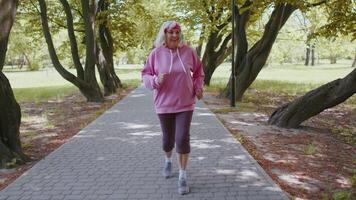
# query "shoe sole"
(184, 192)
(167, 176)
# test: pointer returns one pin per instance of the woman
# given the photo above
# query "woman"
(175, 73)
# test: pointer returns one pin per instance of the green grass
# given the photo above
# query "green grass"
(295, 73)
(131, 82)
(288, 79)
(50, 77)
(274, 86)
(35, 86)
(43, 93)
(219, 84)
(310, 149)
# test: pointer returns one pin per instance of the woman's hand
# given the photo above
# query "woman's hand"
(161, 77)
(199, 94)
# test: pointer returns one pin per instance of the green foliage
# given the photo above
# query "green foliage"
(134, 25)
(11, 163)
(121, 18)
(342, 195)
(310, 149)
(353, 179)
(23, 49)
(335, 49)
(346, 134)
(341, 19)
(203, 17)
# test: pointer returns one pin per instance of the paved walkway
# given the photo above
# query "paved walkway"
(119, 156)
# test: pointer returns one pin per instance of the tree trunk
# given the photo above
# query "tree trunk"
(10, 115)
(212, 58)
(200, 42)
(90, 43)
(210, 64)
(332, 60)
(26, 60)
(292, 114)
(89, 86)
(73, 41)
(249, 63)
(312, 54)
(105, 61)
(307, 55)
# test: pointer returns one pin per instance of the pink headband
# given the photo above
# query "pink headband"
(174, 25)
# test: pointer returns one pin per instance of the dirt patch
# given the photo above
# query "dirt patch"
(47, 125)
(316, 161)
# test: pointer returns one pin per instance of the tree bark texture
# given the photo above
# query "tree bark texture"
(217, 47)
(73, 41)
(248, 63)
(212, 58)
(333, 59)
(292, 114)
(10, 111)
(87, 86)
(307, 55)
(105, 60)
(312, 55)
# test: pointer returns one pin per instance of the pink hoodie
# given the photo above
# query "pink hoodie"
(177, 92)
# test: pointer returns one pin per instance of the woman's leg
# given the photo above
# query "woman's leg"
(183, 121)
(182, 129)
(167, 122)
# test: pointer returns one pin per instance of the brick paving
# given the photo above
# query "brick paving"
(119, 156)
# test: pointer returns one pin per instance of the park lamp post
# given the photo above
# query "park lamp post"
(233, 76)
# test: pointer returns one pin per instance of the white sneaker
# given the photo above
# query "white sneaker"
(183, 186)
(167, 170)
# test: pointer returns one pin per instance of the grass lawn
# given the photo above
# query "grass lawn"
(295, 73)
(50, 77)
(47, 83)
(288, 78)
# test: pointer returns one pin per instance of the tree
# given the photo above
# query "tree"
(10, 115)
(20, 47)
(309, 21)
(85, 79)
(333, 48)
(114, 31)
(249, 62)
(213, 20)
(105, 61)
(292, 114)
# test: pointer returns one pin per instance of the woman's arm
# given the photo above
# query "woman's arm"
(148, 75)
(198, 74)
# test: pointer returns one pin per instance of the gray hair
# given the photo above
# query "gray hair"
(161, 36)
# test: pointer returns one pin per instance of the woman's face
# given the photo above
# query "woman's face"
(172, 38)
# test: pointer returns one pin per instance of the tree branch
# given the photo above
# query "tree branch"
(316, 4)
(241, 21)
(55, 22)
(73, 41)
(224, 44)
(64, 26)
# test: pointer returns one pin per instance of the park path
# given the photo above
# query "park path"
(119, 156)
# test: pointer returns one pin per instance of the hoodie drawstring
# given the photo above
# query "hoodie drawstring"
(181, 62)
(170, 67)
